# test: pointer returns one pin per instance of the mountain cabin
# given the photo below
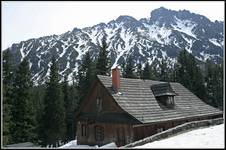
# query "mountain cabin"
(124, 110)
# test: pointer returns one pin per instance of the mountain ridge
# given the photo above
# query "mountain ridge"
(161, 36)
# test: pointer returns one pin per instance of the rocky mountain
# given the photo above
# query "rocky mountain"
(161, 36)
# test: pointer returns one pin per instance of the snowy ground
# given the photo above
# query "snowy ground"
(211, 137)
(23, 145)
(73, 144)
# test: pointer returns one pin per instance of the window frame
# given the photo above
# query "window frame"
(99, 133)
(83, 130)
(170, 100)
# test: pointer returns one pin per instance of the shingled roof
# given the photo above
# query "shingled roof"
(137, 99)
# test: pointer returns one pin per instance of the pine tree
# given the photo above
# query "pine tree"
(163, 76)
(182, 74)
(53, 118)
(189, 74)
(23, 114)
(65, 90)
(153, 72)
(146, 74)
(123, 67)
(103, 62)
(73, 96)
(220, 85)
(7, 96)
(198, 86)
(214, 84)
(129, 68)
(69, 99)
(139, 70)
(38, 96)
(209, 80)
(85, 76)
(172, 74)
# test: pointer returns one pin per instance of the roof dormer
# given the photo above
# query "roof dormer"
(164, 94)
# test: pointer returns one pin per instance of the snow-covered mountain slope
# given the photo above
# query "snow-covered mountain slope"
(162, 35)
(211, 137)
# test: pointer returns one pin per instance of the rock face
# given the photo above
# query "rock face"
(161, 36)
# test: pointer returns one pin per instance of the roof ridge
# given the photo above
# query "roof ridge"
(140, 79)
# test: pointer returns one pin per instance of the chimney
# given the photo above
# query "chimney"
(116, 79)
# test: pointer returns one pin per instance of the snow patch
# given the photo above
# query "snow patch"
(73, 144)
(39, 60)
(215, 42)
(70, 78)
(38, 49)
(176, 44)
(185, 26)
(30, 64)
(64, 50)
(206, 56)
(126, 37)
(67, 67)
(109, 33)
(81, 51)
(110, 145)
(37, 77)
(164, 55)
(140, 50)
(93, 36)
(155, 33)
(22, 53)
(190, 43)
(211, 137)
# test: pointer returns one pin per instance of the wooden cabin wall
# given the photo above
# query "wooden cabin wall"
(108, 105)
(111, 130)
(121, 134)
(129, 132)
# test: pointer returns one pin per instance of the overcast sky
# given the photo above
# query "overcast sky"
(25, 20)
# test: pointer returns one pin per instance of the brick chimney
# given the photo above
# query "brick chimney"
(116, 78)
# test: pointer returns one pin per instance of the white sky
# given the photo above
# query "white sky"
(24, 20)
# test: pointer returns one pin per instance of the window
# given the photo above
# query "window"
(99, 133)
(170, 100)
(166, 102)
(159, 130)
(84, 130)
(99, 104)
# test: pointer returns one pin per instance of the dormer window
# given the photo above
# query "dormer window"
(170, 100)
(164, 94)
